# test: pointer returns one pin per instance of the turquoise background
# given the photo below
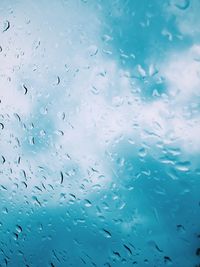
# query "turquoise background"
(99, 140)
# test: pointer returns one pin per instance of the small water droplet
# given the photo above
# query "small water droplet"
(18, 228)
(43, 110)
(25, 89)
(15, 236)
(183, 166)
(5, 210)
(94, 90)
(128, 249)
(1, 126)
(58, 80)
(42, 133)
(31, 140)
(93, 50)
(142, 152)
(88, 203)
(141, 71)
(107, 38)
(180, 228)
(6, 26)
(106, 233)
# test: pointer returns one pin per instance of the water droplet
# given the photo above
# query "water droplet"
(58, 80)
(36, 200)
(107, 38)
(61, 177)
(3, 187)
(183, 166)
(128, 249)
(93, 50)
(42, 133)
(1, 126)
(116, 255)
(106, 233)
(182, 4)
(25, 89)
(15, 236)
(152, 70)
(18, 229)
(141, 71)
(180, 228)
(59, 133)
(6, 26)
(142, 152)
(43, 110)
(94, 90)
(88, 203)
(5, 210)
(31, 140)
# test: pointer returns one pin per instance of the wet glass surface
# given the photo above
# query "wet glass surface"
(99, 133)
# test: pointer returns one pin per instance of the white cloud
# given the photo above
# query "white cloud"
(182, 73)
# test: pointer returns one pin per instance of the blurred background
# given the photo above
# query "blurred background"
(99, 133)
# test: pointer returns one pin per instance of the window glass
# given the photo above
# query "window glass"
(99, 133)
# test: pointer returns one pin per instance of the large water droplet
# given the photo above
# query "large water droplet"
(182, 4)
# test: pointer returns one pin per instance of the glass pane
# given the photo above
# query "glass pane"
(99, 133)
